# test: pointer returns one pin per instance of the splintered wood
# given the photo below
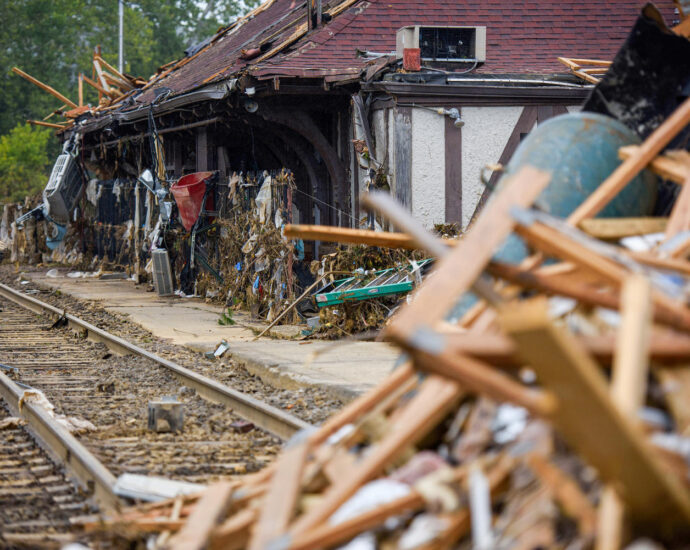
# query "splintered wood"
(110, 84)
(554, 415)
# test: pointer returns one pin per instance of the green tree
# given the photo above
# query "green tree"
(24, 162)
(53, 40)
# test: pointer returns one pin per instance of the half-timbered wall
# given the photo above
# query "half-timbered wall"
(435, 167)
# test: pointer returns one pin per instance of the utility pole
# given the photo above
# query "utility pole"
(121, 58)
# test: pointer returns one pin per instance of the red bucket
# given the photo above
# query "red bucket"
(189, 194)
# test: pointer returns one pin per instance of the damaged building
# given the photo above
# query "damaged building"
(326, 99)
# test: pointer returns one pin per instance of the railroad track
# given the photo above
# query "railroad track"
(37, 499)
(90, 375)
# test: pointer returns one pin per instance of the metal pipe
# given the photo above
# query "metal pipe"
(520, 81)
(121, 37)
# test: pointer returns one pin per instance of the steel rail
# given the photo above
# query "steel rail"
(62, 446)
(265, 416)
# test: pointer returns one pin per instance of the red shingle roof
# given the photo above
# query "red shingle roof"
(521, 37)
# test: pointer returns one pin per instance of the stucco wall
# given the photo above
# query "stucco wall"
(428, 166)
(484, 136)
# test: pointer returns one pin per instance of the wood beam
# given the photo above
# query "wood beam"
(101, 89)
(618, 228)
(354, 236)
(672, 165)
(591, 423)
(458, 270)
(47, 124)
(44, 87)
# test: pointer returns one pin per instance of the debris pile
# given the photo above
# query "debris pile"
(256, 262)
(553, 413)
(352, 316)
(112, 87)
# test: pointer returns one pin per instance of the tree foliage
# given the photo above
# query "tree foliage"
(53, 40)
(24, 162)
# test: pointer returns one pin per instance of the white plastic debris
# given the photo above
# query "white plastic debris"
(642, 243)
(341, 434)
(221, 349)
(480, 509)
(263, 200)
(153, 489)
(71, 423)
(672, 442)
(365, 541)
(370, 496)
(559, 306)
(423, 529)
(508, 423)
(52, 273)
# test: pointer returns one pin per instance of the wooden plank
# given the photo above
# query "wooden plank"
(567, 493)
(672, 165)
(460, 268)
(208, 512)
(100, 75)
(618, 228)
(111, 80)
(453, 165)
(402, 184)
(630, 167)
(668, 347)
(591, 423)
(234, 533)
(44, 87)
(481, 378)
(81, 89)
(278, 505)
(675, 383)
(583, 293)
(679, 220)
(434, 399)
(332, 233)
(47, 124)
(551, 241)
(628, 389)
(118, 75)
(98, 87)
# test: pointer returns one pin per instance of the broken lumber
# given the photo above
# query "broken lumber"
(672, 165)
(618, 228)
(209, 511)
(46, 124)
(591, 423)
(354, 236)
(44, 87)
(435, 398)
(460, 268)
(628, 390)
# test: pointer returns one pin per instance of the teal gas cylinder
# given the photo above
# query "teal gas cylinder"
(579, 150)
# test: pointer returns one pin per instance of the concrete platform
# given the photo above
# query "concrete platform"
(346, 369)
